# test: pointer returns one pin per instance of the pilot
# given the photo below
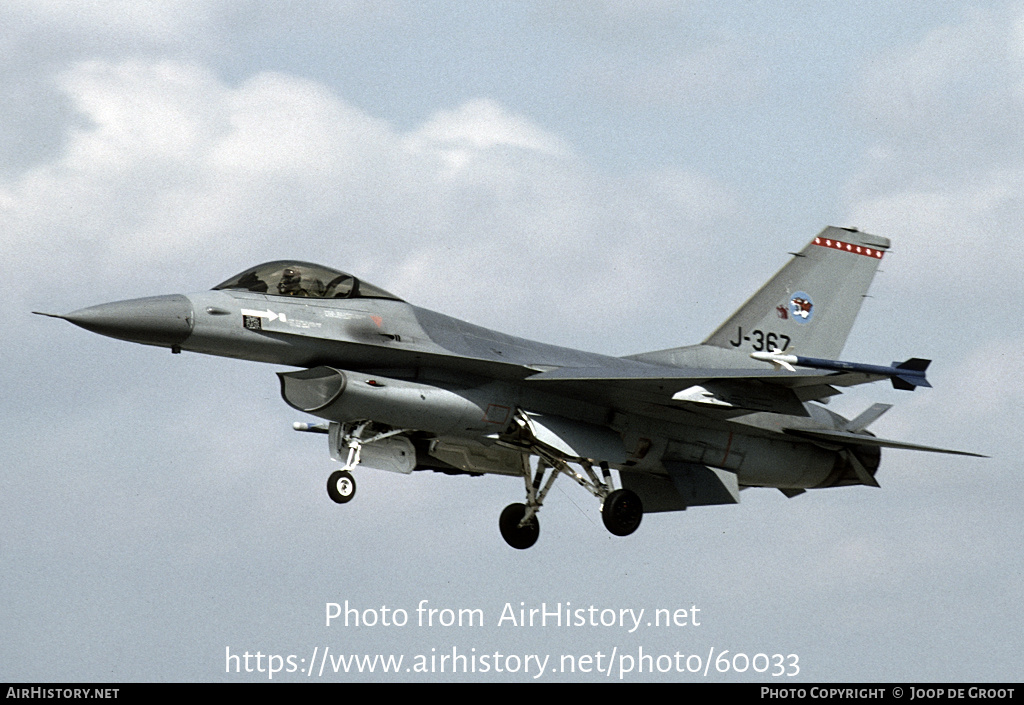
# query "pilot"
(291, 283)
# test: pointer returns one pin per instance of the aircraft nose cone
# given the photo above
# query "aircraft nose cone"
(156, 320)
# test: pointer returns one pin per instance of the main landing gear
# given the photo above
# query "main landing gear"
(621, 510)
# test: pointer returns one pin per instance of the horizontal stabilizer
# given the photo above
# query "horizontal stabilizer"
(866, 418)
(847, 438)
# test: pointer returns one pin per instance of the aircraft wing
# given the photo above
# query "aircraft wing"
(735, 390)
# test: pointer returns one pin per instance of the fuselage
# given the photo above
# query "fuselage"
(407, 347)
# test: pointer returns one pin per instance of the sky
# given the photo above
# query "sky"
(611, 176)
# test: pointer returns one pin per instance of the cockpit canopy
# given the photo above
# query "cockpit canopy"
(290, 278)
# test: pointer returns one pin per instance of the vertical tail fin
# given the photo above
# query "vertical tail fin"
(811, 304)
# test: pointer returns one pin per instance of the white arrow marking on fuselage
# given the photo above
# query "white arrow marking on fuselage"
(265, 314)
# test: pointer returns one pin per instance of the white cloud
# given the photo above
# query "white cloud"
(486, 214)
(479, 125)
(944, 175)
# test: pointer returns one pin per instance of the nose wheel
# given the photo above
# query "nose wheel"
(347, 441)
(341, 486)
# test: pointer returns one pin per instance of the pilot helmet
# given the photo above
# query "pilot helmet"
(291, 280)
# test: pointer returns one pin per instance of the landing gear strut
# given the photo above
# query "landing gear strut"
(347, 441)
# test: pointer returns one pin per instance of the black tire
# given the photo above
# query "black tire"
(516, 536)
(341, 486)
(621, 512)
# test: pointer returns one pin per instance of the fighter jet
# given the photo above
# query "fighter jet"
(402, 388)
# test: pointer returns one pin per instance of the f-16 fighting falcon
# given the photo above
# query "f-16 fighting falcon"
(402, 388)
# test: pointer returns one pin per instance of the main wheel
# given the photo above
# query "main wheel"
(621, 512)
(341, 486)
(518, 536)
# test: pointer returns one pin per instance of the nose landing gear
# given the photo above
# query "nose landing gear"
(347, 442)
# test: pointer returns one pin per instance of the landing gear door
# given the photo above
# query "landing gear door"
(576, 439)
(394, 454)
